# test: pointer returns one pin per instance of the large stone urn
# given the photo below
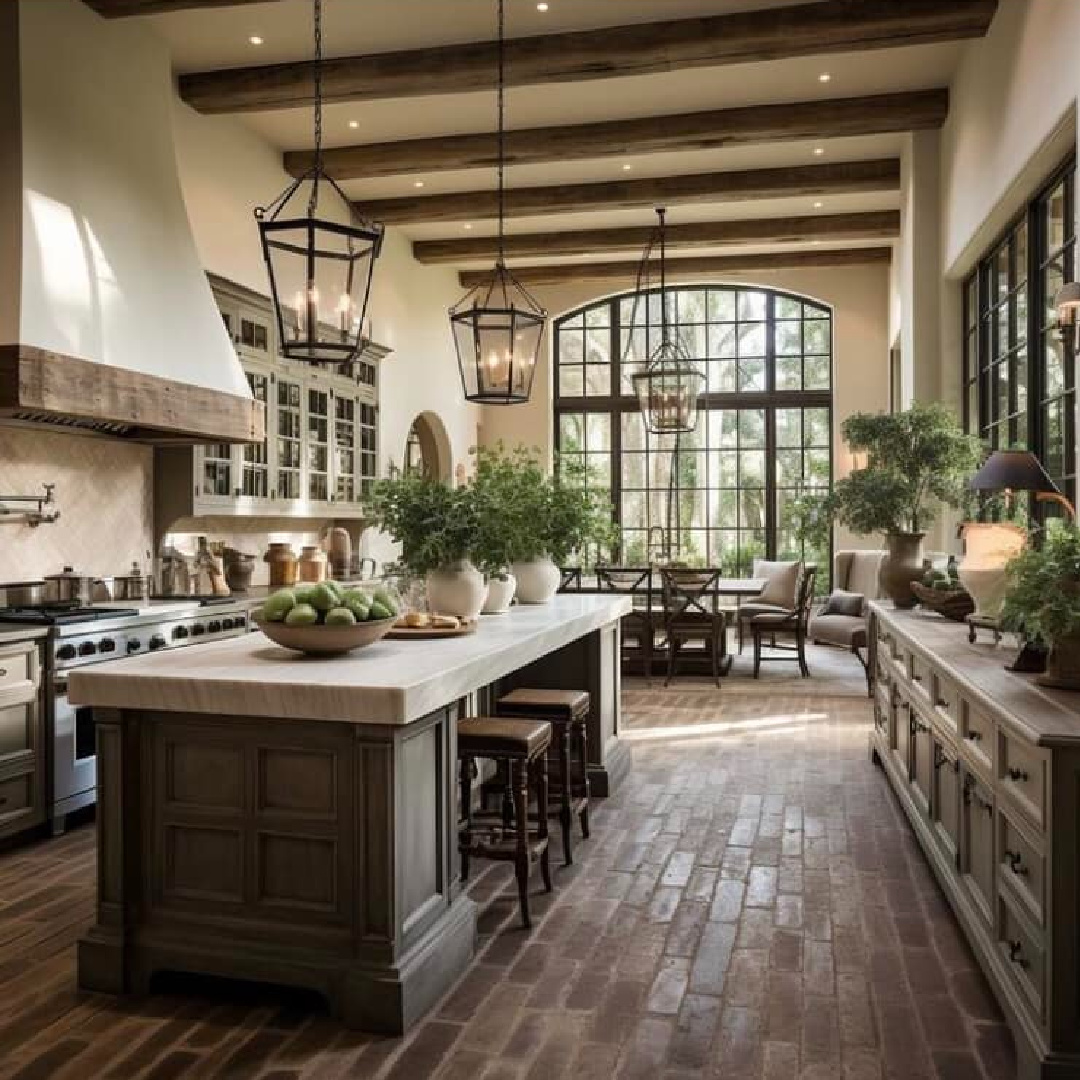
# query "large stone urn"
(988, 548)
(903, 564)
(458, 589)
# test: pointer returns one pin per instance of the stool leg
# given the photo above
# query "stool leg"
(566, 813)
(465, 835)
(583, 764)
(519, 771)
(507, 795)
(540, 768)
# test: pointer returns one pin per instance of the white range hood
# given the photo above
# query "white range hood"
(106, 317)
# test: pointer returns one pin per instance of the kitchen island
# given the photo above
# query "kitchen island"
(293, 820)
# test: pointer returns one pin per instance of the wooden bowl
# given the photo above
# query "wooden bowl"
(324, 640)
(954, 604)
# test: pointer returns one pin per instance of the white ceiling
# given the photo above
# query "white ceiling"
(205, 39)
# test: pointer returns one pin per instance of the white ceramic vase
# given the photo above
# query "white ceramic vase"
(988, 547)
(500, 594)
(537, 580)
(458, 589)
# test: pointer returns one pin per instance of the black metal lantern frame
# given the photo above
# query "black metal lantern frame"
(323, 266)
(498, 326)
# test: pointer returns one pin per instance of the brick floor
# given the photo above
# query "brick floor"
(752, 905)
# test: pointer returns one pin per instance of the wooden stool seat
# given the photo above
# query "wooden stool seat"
(520, 748)
(568, 713)
(494, 736)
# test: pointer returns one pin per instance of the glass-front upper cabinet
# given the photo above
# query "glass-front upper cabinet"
(318, 443)
(345, 444)
(255, 457)
(288, 438)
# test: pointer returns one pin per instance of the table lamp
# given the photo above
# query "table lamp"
(1019, 470)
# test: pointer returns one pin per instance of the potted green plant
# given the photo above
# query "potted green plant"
(436, 526)
(917, 461)
(1042, 601)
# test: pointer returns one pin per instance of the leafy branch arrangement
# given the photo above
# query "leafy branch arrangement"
(1043, 601)
(918, 460)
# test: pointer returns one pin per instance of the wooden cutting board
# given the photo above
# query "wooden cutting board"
(420, 633)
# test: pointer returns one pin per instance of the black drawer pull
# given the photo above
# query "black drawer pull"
(1017, 775)
(3, 672)
(1016, 863)
(918, 727)
(972, 792)
(974, 736)
(916, 678)
(941, 758)
(1016, 954)
(942, 703)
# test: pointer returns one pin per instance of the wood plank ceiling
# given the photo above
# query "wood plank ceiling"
(771, 129)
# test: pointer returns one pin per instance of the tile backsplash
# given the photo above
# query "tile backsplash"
(104, 492)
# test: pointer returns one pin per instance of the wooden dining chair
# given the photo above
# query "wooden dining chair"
(793, 622)
(569, 579)
(638, 627)
(692, 613)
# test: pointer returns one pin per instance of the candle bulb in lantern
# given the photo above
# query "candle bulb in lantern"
(344, 309)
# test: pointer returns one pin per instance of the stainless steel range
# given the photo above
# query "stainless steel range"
(95, 635)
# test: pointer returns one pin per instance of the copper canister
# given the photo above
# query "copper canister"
(283, 565)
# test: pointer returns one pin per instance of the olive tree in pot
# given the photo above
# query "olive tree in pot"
(917, 461)
(436, 526)
(500, 482)
(1042, 602)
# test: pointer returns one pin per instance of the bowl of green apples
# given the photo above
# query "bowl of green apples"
(328, 618)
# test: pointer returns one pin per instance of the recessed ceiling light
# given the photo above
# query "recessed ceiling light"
(418, 183)
(255, 40)
(467, 225)
(815, 242)
(354, 123)
(541, 7)
(824, 77)
(818, 151)
(818, 205)
(627, 167)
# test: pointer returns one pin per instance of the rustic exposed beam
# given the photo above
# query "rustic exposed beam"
(878, 225)
(118, 9)
(830, 119)
(831, 26)
(840, 178)
(685, 269)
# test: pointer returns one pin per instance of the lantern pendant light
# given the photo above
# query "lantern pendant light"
(319, 264)
(497, 325)
(669, 388)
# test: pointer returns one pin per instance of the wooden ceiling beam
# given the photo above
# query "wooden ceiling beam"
(840, 178)
(119, 9)
(688, 269)
(717, 128)
(877, 225)
(831, 26)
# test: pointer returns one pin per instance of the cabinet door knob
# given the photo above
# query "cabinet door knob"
(1017, 775)
(1016, 863)
(916, 678)
(974, 736)
(3, 672)
(942, 703)
(1016, 954)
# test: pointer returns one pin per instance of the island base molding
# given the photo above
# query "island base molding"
(986, 767)
(315, 854)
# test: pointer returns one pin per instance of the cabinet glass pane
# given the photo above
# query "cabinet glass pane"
(289, 432)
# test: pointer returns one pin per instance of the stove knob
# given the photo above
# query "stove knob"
(107, 645)
(198, 630)
(134, 645)
(66, 652)
(226, 624)
(241, 621)
(179, 633)
(87, 648)
(214, 627)
(157, 642)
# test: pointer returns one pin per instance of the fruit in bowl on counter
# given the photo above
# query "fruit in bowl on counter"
(328, 604)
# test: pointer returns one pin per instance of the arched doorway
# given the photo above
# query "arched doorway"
(427, 447)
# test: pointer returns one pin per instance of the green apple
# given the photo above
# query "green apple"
(302, 615)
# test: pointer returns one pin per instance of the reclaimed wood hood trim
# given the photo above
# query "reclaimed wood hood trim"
(37, 385)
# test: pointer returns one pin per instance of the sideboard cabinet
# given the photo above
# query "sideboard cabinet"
(986, 765)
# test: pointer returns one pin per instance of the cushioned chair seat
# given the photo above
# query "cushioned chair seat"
(842, 630)
(570, 702)
(491, 736)
(755, 607)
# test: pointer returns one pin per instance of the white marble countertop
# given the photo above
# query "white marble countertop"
(390, 682)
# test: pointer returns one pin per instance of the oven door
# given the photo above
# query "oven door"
(74, 753)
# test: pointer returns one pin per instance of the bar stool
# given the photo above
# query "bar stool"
(568, 711)
(519, 746)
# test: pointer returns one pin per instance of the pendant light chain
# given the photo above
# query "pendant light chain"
(502, 132)
(664, 338)
(313, 200)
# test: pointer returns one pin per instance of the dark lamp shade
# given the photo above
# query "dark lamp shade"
(1012, 470)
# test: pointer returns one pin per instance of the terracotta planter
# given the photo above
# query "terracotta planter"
(900, 567)
(1063, 664)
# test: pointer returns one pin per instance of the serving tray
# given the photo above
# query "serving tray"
(419, 633)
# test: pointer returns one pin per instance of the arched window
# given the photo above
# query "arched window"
(764, 436)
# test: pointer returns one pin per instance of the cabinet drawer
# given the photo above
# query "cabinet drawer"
(16, 796)
(946, 702)
(1022, 865)
(1022, 776)
(18, 728)
(945, 803)
(18, 666)
(977, 738)
(978, 861)
(921, 674)
(1024, 953)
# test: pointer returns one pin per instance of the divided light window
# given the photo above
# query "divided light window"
(1019, 377)
(764, 432)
